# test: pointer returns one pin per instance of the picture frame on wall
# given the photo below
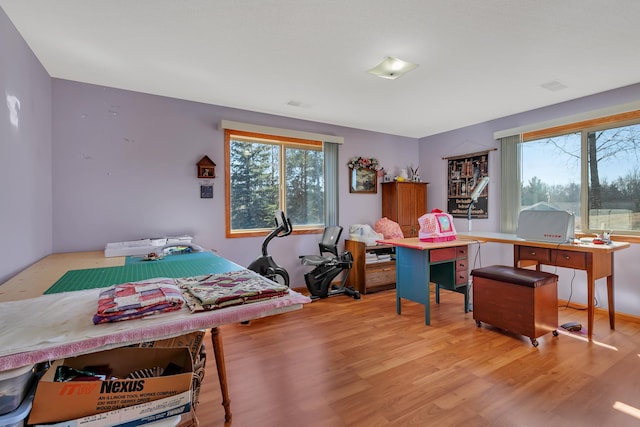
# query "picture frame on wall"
(463, 175)
(363, 180)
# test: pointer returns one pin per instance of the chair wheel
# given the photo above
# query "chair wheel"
(555, 333)
(356, 295)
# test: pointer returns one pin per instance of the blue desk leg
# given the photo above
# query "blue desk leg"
(412, 278)
(462, 290)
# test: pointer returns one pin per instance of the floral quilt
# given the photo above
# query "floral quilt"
(216, 291)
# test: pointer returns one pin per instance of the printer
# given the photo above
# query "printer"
(544, 223)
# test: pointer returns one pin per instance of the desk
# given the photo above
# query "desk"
(420, 263)
(596, 260)
(38, 328)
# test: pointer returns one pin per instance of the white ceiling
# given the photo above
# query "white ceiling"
(478, 60)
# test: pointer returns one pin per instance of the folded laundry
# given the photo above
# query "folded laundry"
(216, 291)
(138, 299)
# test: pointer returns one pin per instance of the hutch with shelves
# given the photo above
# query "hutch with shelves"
(405, 202)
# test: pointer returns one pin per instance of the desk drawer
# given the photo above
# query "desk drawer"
(569, 259)
(531, 252)
(461, 251)
(444, 254)
(377, 276)
(462, 264)
(462, 278)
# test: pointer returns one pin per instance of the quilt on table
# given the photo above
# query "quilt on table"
(138, 299)
(216, 291)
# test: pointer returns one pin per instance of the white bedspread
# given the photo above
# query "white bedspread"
(60, 325)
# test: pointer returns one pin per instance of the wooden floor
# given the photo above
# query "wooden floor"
(342, 362)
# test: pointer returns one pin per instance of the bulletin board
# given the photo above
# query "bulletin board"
(463, 174)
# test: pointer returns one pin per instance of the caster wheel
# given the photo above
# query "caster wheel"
(478, 323)
(534, 342)
(555, 333)
(356, 295)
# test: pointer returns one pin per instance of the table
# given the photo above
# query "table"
(68, 330)
(420, 263)
(596, 260)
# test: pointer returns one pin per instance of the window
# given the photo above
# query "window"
(614, 178)
(550, 173)
(266, 173)
(589, 168)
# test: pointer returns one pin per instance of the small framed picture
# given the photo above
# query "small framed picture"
(206, 191)
(363, 181)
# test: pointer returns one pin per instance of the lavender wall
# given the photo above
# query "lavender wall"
(124, 168)
(25, 154)
(119, 165)
(480, 137)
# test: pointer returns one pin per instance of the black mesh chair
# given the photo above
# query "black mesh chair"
(327, 265)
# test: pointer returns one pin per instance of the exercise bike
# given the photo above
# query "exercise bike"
(265, 265)
(327, 267)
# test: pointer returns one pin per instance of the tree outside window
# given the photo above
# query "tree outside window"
(267, 173)
(593, 173)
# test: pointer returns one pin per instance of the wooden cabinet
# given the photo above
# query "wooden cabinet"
(371, 276)
(521, 301)
(404, 203)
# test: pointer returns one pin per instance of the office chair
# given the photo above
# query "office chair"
(327, 267)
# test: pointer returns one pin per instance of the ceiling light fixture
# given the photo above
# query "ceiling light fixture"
(391, 68)
(554, 86)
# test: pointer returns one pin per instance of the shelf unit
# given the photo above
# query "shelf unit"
(375, 276)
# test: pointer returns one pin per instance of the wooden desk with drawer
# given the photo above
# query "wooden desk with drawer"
(596, 260)
(420, 263)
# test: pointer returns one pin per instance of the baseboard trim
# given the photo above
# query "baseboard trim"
(576, 306)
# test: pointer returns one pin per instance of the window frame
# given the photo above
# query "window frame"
(583, 127)
(282, 141)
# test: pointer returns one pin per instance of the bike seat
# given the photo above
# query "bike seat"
(315, 259)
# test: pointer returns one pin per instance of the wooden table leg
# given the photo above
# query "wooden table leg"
(610, 297)
(612, 308)
(218, 352)
(591, 285)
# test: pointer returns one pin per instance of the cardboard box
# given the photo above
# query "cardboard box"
(169, 408)
(193, 340)
(62, 401)
(189, 420)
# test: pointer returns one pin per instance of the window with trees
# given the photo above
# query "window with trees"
(593, 171)
(266, 173)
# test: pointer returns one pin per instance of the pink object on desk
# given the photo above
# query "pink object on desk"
(436, 226)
